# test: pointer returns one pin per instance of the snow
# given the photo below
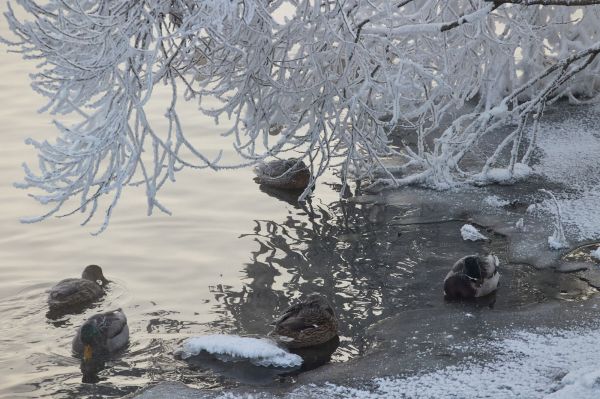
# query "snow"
(470, 233)
(551, 364)
(495, 201)
(504, 175)
(259, 351)
(569, 156)
(596, 254)
(556, 242)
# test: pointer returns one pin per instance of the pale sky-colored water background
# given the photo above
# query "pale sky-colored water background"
(160, 264)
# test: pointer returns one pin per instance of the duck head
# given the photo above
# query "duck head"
(472, 267)
(94, 273)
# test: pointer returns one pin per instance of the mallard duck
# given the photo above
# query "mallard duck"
(101, 335)
(73, 292)
(308, 323)
(472, 277)
(287, 174)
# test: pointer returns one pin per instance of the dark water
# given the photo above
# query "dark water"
(360, 255)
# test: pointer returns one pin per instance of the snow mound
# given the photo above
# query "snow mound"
(470, 233)
(260, 352)
(557, 241)
(579, 384)
(595, 254)
(504, 175)
(495, 201)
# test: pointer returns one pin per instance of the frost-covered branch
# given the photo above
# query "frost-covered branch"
(569, 3)
(331, 83)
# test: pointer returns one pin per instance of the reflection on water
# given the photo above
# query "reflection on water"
(369, 267)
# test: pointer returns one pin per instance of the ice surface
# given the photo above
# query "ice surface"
(470, 233)
(261, 352)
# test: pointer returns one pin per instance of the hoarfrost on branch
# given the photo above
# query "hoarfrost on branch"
(324, 81)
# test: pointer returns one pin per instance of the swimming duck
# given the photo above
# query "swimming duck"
(472, 276)
(287, 174)
(101, 335)
(308, 323)
(74, 292)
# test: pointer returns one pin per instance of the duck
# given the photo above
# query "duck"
(101, 335)
(74, 292)
(286, 174)
(308, 323)
(472, 276)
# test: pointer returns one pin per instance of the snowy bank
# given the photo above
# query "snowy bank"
(543, 364)
(557, 364)
(261, 352)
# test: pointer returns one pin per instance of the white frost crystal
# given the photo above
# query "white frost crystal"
(261, 352)
(470, 233)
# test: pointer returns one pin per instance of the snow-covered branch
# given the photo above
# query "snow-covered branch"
(569, 3)
(340, 85)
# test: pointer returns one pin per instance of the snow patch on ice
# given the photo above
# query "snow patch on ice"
(470, 233)
(556, 241)
(504, 175)
(495, 201)
(261, 352)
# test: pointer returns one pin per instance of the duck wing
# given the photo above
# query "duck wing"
(305, 316)
(113, 327)
(489, 266)
(110, 323)
(289, 312)
(73, 291)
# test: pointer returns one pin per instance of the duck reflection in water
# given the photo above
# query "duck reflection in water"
(90, 369)
(316, 356)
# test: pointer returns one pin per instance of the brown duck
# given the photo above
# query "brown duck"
(286, 174)
(308, 323)
(75, 292)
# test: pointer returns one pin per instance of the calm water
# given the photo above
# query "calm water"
(229, 259)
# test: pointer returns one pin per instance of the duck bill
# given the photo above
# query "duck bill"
(87, 353)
